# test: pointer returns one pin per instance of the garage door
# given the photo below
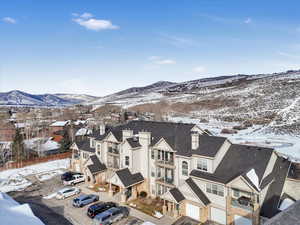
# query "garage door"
(77, 167)
(193, 211)
(240, 220)
(218, 215)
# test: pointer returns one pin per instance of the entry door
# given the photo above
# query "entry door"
(193, 211)
(240, 220)
(218, 215)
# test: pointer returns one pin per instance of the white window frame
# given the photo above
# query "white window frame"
(215, 189)
(185, 170)
(202, 164)
(127, 160)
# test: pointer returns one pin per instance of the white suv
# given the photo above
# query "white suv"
(67, 192)
(74, 180)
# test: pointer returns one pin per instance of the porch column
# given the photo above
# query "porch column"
(123, 195)
(110, 190)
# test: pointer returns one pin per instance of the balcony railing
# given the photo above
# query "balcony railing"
(247, 206)
(113, 165)
(113, 150)
(166, 180)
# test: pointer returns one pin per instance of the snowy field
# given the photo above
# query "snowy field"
(287, 145)
(15, 179)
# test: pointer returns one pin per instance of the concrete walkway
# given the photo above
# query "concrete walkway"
(103, 196)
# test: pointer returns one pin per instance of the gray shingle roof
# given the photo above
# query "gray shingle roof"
(197, 191)
(133, 142)
(272, 199)
(238, 160)
(97, 166)
(177, 195)
(209, 145)
(128, 179)
(84, 145)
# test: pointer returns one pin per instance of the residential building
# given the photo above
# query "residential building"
(198, 175)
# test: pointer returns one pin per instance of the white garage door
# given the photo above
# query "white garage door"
(77, 167)
(240, 220)
(193, 211)
(218, 215)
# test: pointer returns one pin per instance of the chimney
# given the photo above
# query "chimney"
(195, 140)
(102, 128)
(127, 134)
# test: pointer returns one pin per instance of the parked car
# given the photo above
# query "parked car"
(67, 192)
(84, 199)
(68, 175)
(78, 178)
(97, 208)
(111, 215)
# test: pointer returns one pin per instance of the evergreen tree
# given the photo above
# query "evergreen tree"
(18, 149)
(65, 142)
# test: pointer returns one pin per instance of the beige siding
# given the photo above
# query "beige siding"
(221, 153)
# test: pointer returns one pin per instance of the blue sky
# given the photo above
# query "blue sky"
(99, 47)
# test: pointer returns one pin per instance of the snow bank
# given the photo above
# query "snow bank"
(14, 179)
(287, 202)
(11, 212)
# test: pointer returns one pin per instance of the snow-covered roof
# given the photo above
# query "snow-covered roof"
(78, 122)
(253, 178)
(83, 131)
(287, 202)
(11, 212)
(41, 144)
(59, 124)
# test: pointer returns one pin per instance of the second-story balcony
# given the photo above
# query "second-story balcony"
(242, 203)
(165, 163)
(166, 181)
(114, 151)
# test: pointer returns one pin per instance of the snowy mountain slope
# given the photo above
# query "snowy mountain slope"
(269, 99)
(20, 98)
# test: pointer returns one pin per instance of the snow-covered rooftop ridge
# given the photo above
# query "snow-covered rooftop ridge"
(11, 212)
(287, 202)
(253, 178)
(59, 123)
(83, 131)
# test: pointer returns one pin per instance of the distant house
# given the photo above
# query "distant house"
(57, 126)
(7, 131)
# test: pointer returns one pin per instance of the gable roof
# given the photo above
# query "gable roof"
(177, 195)
(272, 199)
(97, 166)
(176, 134)
(133, 142)
(197, 191)
(236, 162)
(209, 145)
(84, 145)
(128, 179)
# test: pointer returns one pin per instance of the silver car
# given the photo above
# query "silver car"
(84, 199)
(67, 192)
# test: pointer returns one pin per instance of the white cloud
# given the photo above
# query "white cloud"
(86, 15)
(165, 62)
(199, 69)
(154, 57)
(180, 42)
(9, 20)
(248, 20)
(86, 20)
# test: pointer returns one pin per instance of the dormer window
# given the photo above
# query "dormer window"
(202, 164)
(185, 168)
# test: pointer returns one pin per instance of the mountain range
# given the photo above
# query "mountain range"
(20, 98)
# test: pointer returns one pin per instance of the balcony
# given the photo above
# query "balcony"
(113, 165)
(164, 163)
(113, 151)
(166, 181)
(242, 203)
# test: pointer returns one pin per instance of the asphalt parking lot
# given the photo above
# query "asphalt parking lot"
(53, 211)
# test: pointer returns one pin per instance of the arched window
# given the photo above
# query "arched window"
(185, 168)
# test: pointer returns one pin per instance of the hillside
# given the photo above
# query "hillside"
(269, 99)
(19, 98)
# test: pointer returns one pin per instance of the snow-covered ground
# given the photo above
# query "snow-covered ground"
(288, 145)
(15, 179)
(11, 212)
